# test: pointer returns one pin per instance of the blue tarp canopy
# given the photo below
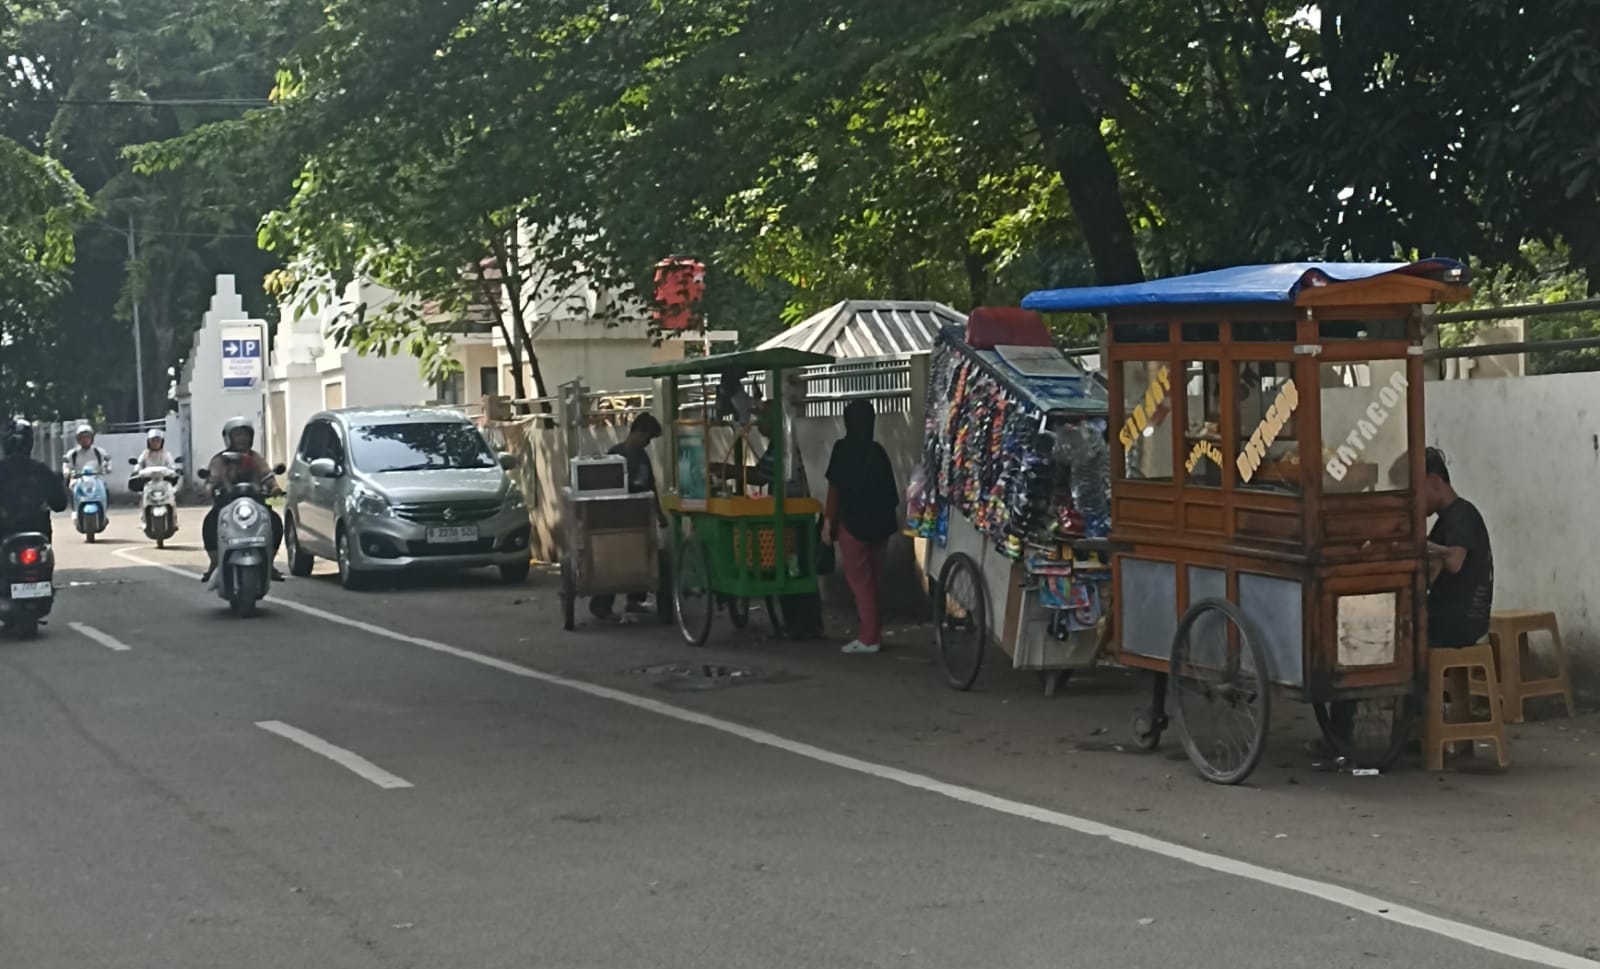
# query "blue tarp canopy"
(1279, 283)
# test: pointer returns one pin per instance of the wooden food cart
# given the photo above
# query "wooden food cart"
(1014, 434)
(1266, 450)
(738, 532)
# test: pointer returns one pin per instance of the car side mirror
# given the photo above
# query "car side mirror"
(324, 468)
(509, 461)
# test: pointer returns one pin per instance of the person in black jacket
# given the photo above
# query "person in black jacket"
(29, 490)
(862, 514)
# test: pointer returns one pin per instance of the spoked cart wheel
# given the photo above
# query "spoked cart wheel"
(1224, 700)
(1377, 733)
(693, 599)
(961, 620)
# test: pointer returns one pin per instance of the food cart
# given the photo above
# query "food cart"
(1012, 500)
(610, 546)
(1266, 450)
(740, 530)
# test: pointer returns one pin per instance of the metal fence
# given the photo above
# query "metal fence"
(887, 381)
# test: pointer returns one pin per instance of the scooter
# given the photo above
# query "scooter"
(27, 583)
(89, 503)
(244, 544)
(158, 502)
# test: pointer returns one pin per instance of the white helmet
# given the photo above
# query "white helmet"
(82, 430)
(156, 434)
(237, 424)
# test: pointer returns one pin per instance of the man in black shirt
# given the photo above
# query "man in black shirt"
(1460, 576)
(1461, 563)
(635, 449)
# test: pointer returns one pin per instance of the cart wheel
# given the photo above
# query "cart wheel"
(1219, 670)
(1151, 722)
(1378, 731)
(569, 598)
(739, 611)
(693, 599)
(961, 621)
(1147, 729)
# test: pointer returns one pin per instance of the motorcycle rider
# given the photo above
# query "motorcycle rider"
(240, 436)
(29, 491)
(87, 453)
(155, 452)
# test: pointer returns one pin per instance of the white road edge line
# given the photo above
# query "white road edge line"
(89, 632)
(1461, 932)
(352, 762)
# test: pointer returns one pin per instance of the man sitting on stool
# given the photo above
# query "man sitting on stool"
(1460, 576)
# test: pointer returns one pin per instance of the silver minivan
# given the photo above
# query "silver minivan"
(389, 489)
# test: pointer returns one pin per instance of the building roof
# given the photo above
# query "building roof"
(1280, 283)
(870, 328)
(777, 358)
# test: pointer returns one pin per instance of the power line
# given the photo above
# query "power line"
(153, 103)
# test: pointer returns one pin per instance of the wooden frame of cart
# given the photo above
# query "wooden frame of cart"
(1267, 442)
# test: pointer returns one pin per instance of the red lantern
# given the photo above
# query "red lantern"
(680, 283)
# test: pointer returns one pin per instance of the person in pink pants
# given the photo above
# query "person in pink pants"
(861, 515)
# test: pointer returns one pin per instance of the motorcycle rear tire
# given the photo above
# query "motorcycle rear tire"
(89, 537)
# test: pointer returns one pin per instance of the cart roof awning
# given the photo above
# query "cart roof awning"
(778, 358)
(1280, 283)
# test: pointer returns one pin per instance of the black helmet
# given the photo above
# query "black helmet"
(19, 438)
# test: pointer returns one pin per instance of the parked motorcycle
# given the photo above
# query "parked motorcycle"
(244, 544)
(158, 501)
(27, 583)
(89, 503)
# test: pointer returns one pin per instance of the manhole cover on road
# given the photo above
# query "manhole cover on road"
(707, 676)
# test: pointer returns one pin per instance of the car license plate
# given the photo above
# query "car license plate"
(245, 542)
(30, 590)
(452, 534)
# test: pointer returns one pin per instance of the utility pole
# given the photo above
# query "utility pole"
(138, 349)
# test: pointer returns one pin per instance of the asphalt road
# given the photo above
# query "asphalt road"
(175, 803)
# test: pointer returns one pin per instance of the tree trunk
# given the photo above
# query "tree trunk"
(1076, 147)
(519, 390)
(511, 279)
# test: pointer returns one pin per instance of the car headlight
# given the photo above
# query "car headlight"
(371, 503)
(514, 500)
(245, 513)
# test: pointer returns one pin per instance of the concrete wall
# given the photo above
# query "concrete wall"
(208, 405)
(1526, 451)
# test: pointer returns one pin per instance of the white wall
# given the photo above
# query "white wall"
(1526, 451)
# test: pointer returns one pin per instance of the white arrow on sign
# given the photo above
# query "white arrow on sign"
(230, 348)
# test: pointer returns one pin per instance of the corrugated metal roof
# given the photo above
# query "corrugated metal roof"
(870, 328)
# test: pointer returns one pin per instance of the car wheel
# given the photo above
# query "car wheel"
(300, 561)
(348, 576)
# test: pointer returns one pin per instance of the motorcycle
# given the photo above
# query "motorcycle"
(158, 502)
(27, 589)
(244, 544)
(89, 503)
